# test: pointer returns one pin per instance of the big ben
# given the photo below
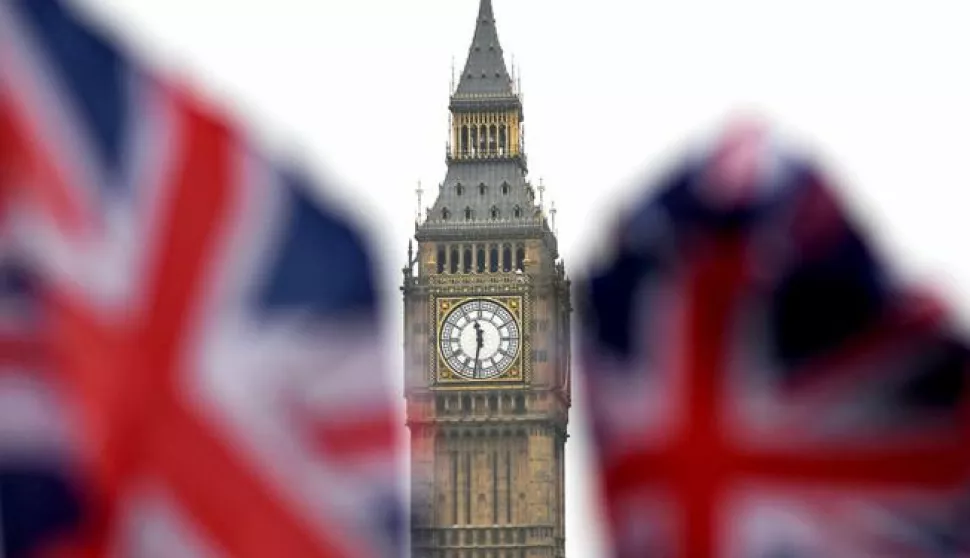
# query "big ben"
(487, 351)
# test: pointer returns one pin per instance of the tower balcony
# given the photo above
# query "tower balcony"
(485, 155)
(472, 102)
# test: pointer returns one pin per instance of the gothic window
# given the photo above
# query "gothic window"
(517, 212)
(493, 259)
(445, 213)
(505, 188)
(454, 260)
(492, 140)
(468, 213)
(519, 404)
(441, 259)
(466, 403)
(467, 264)
(482, 188)
(464, 140)
(474, 139)
(459, 189)
(481, 259)
(506, 258)
(483, 138)
(502, 141)
(520, 258)
(495, 212)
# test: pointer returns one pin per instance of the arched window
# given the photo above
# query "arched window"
(483, 139)
(459, 189)
(492, 139)
(517, 212)
(493, 259)
(441, 259)
(468, 214)
(505, 188)
(502, 139)
(445, 214)
(454, 260)
(481, 259)
(467, 262)
(464, 140)
(520, 258)
(495, 212)
(474, 139)
(506, 258)
(519, 404)
(482, 188)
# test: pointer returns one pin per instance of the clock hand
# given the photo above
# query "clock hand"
(477, 362)
(479, 341)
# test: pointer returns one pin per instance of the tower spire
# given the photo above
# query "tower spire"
(485, 72)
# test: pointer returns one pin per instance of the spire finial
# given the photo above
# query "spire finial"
(513, 74)
(542, 191)
(552, 214)
(419, 191)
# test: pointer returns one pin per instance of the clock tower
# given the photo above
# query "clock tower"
(487, 351)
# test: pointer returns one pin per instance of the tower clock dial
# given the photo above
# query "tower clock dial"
(479, 339)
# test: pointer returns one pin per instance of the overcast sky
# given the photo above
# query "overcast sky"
(358, 91)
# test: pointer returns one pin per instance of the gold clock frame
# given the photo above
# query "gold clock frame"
(519, 372)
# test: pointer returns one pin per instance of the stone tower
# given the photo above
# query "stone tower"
(487, 352)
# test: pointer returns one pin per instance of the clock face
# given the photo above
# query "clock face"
(479, 339)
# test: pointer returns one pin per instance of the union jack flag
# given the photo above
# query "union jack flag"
(213, 326)
(760, 384)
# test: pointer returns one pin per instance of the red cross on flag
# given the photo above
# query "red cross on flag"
(761, 386)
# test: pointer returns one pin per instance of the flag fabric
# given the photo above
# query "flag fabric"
(761, 384)
(211, 321)
(38, 500)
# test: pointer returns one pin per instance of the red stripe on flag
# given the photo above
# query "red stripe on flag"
(356, 437)
(34, 166)
(213, 481)
(226, 496)
(22, 351)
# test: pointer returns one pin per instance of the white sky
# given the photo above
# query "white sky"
(360, 89)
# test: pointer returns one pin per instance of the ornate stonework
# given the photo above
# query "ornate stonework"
(487, 465)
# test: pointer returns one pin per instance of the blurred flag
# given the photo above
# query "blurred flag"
(212, 328)
(760, 385)
(38, 500)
